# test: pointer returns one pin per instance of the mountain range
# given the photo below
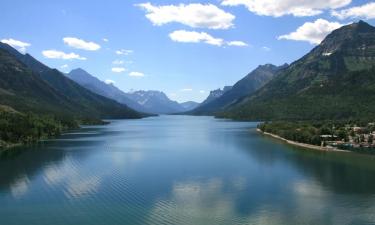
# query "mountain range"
(27, 85)
(335, 81)
(189, 105)
(219, 100)
(99, 87)
(154, 102)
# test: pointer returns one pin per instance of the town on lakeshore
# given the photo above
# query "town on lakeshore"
(356, 137)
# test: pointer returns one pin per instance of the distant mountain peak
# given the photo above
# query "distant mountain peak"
(155, 101)
(362, 26)
(78, 70)
(220, 99)
(347, 33)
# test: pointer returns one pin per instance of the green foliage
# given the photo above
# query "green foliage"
(302, 132)
(309, 132)
(18, 128)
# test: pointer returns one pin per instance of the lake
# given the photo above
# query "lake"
(182, 170)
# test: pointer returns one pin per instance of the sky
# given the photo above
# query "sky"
(181, 47)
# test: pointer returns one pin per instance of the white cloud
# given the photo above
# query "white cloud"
(279, 8)
(54, 54)
(186, 89)
(118, 62)
(124, 52)
(202, 91)
(109, 82)
(195, 37)
(267, 49)
(202, 37)
(118, 69)
(366, 11)
(136, 74)
(194, 15)
(81, 44)
(237, 43)
(19, 45)
(105, 39)
(64, 66)
(312, 32)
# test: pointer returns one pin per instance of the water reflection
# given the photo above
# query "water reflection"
(183, 170)
(19, 186)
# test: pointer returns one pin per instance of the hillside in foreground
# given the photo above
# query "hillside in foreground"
(335, 81)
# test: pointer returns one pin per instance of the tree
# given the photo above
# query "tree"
(370, 139)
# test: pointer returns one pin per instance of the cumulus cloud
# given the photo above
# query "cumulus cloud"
(237, 43)
(81, 44)
(54, 54)
(124, 52)
(195, 15)
(202, 37)
(279, 8)
(195, 37)
(105, 39)
(118, 69)
(64, 66)
(202, 91)
(136, 74)
(19, 45)
(366, 11)
(312, 32)
(109, 82)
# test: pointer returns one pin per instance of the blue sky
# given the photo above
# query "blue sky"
(184, 48)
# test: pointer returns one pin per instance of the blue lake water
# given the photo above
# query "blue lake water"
(182, 170)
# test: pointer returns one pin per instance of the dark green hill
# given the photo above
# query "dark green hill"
(24, 90)
(246, 86)
(31, 86)
(336, 80)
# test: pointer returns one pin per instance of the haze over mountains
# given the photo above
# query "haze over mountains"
(154, 102)
(99, 87)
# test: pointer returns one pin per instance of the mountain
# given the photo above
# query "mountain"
(99, 87)
(24, 90)
(28, 85)
(335, 80)
(155, 102)
(189, 105)
(214, 94)
(246, 86)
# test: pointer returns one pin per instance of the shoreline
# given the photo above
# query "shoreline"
(303, 145)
